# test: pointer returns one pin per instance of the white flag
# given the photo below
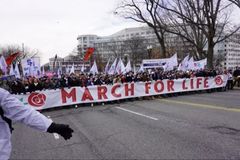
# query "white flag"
(107, 65)
(94, 69)
(120, 67)
(67, 69)
(141, 69)
(3, 64)
(173, 60)
(82, 69)
(17, 73)
(72, 69)
(183, 65)
(11, 72)
(190, 64)
(200, 64)
(43, 71)
(171, 63)
(59, 72)
(14, 71)
(128, 67)
(113, 67)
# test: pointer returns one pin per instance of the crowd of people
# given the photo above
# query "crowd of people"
(31, 84)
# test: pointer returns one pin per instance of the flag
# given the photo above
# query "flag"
(171, 63)
(54, 61)
(67, 69)
(16, 70)
(88, 54)
(173, 60)
(200, 64)
(141, 69)
(11, 58)
(43, 71)
(106, 67)
(72, 69)
(113, 67)
(82, 69)
(94, 69)
(128, 67)
(120, 67)
(3, 65)
(183, 65)
(190, 64)
(59, 72)
(11, 72)
(31, 67)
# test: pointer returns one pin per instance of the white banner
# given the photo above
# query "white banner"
(154, 63)
(31, 67)
(77, 95)
(166, 63)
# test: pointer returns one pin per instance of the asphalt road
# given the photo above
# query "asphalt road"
(195, 126)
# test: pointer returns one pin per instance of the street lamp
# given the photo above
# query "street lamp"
(149, 50)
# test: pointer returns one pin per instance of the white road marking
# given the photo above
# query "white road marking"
(137, 113)
(56, 136)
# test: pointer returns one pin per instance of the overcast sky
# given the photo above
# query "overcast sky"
(52, 26)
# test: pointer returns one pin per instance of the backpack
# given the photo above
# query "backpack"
(7, 120)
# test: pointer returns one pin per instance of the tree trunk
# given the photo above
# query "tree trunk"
(210, 55)
(163, 48)
(162, 43)
(200, 53)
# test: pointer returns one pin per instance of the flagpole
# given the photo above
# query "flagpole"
(83, 66)
(23, 48)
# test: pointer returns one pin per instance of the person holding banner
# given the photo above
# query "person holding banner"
(12, 109)
(236, 75)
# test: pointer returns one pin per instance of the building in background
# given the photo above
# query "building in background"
(232, 52)
(84, 42)
(66, 63)
(137, 40)
(141, 43)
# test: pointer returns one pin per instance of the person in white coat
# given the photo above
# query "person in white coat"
(14, 110)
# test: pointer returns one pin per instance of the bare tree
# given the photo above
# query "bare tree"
(211, 17)
(10, 49)
(147, 12)
(218, 59)
(190, 34)
(136, 48)
(26, 52)
(236, 2)
(117, 47)
(181, 46)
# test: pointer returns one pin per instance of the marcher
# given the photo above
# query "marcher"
(236, 75)
(12, 109)
(230, 80)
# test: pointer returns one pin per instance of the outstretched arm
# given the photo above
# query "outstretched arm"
(16, 111)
